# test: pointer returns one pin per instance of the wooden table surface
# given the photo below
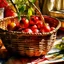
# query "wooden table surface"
(18, 59)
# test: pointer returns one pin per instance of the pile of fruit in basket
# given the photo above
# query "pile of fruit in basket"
(30, 24)
(41, 31)
(34, 25)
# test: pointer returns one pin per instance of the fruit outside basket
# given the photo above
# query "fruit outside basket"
(29, 44)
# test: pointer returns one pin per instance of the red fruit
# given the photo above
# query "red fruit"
(39, 24)
(24, 23)
(9, 12)
(52, 28)
(42, 30)
(22, 26)
(28, 30)
(32, 18)
(46, 27)
(17, 23)
(36, 18)
(11, 26)
(35, 31)
(16, 28)
(23, 19)
(34, 27)
(31, 22)
(3, 3)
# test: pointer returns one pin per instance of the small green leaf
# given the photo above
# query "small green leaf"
(17, 1)
(22, 8)
(32, 1)
(32, 9)
(19, 15)
(29, 12)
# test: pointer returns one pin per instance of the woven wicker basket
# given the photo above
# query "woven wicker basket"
(29, 44)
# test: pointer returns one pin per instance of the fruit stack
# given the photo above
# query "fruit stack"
(34, 25)
(31, 36)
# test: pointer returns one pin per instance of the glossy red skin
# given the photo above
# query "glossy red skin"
(35, 31)
(34, 27)
(52, 28)
(23, 20)
(36, 18)
(39, 24)
(24, 23)
(42, 30)
(46, 28)
(28, 30)
(31, 22)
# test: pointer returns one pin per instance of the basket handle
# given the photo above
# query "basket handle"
(39, 12)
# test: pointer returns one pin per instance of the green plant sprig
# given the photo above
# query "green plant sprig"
(39, 12)
(23, 7)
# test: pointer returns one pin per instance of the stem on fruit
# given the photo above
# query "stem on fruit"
(42, 18)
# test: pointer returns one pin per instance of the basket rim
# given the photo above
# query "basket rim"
(46, 33)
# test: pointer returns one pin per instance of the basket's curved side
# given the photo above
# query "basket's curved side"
(28, 44)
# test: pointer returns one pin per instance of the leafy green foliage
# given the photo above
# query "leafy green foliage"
(24, 7)
(30, 12)
(60, 46)
(32, 1)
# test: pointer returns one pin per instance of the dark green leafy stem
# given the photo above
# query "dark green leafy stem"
(26, 7)
(23, 7)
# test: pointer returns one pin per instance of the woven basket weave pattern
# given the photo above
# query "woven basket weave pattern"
(29, 44)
